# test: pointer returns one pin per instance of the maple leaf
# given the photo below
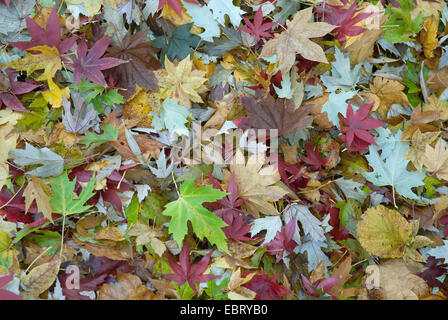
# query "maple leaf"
(435, 270)
(80, 120)
(12, 88)
(256, 183)
(37, 190)
(175, 5)
(55, 95)
(266, 288)
(188, 207)
(346, 20)
(389, 92)
(51, 37)
(435, 159)
(258, 28)
(390, 167)
(52, 163)
(90, 64)
(283, 241)
(229, 211)
(183, 83)
(179, 44)
(295, 40)
(416, 153)
(186, 272)
(141, 63)
(48, 59)
(313, 158)
(280, 114)
(64, 201)
(356, 127)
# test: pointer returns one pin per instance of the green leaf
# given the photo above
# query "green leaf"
(216, 291)
(189, 208)
(93, 139)
(65, 200)
(132, 209)
(401, 26)
(179, 45)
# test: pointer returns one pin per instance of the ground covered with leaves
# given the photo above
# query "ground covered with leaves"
(343, 195)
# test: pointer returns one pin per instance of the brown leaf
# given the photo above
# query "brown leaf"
(343, 272)
(390, 92)
(280, 114)
(130, 287)
(398, 281)
(139, 69)
(295, 40)
(37, 190)
(40, 279)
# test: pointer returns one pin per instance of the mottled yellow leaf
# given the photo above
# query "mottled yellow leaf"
(48, 60)
(384, 232)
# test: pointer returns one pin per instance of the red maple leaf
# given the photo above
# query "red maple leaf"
(175, 5)
(265, 288)
(8, 95)
(345, 20)
(51, 36)
(90, 64)
(227, 209)
(356, 126)
(313, 158)
(258, 28)
(283, 241)
(292, 175)
(186, 272)
(6, 294)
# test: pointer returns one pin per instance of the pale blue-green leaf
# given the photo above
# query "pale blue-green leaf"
(51, 163)
(202, 17)
(314, 252)
(272, 224)
(343, 76)
(336, 104)
(172, 117)
(221, 8)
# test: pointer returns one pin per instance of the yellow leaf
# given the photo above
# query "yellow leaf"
(54, 95)
(181, 82)
(384, 232)
(256, 183)
(390, 92)
(428, 36)
(48, 59)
